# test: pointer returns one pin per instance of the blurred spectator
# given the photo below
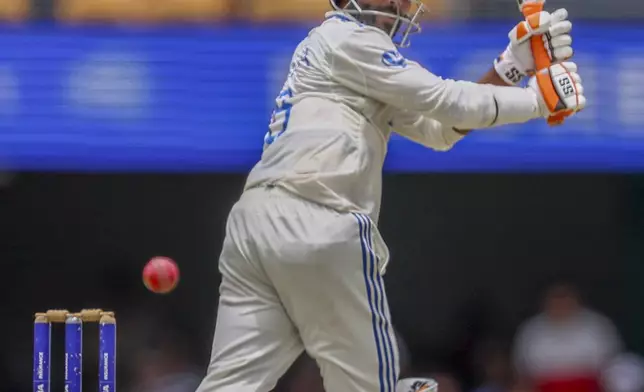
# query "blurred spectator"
(624, 374)
(495, 364)
(306, 10)
(566, 347)
(165, 370)
(14, 10)
(142, 10)
(161, 354)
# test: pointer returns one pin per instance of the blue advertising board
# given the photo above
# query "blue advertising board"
(199, 99)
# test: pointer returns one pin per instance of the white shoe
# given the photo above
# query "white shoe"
(417, 385)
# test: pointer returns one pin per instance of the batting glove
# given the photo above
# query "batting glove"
(517, 61)
(559, 90)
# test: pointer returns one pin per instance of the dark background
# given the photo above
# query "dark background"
(470, 254)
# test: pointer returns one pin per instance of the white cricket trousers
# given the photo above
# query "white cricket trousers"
(299, 276)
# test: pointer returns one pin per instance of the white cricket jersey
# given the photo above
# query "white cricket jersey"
(347, 90)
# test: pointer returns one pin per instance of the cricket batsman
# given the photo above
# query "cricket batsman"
(302, 262)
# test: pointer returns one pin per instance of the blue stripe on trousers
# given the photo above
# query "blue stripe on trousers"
(376, 336)
(378, 299)
(391, 369)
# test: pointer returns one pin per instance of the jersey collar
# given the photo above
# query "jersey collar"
(341, 16)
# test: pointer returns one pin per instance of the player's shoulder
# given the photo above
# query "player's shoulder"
(340, 30)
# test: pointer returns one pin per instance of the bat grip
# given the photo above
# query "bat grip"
(531, 8)
(541, 58)
(539, 53)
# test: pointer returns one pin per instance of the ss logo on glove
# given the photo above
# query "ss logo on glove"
(514, 75)
(566, 86)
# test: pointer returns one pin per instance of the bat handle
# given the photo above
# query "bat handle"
(541, 58)
(531, 8)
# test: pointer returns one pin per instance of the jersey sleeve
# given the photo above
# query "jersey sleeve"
(366, 61)
(426, 131)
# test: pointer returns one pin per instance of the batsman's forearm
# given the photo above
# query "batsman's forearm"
(491, 77)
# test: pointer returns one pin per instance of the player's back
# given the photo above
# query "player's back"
(326, 142)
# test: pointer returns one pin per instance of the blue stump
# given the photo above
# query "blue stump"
(42, 354)
(107, 354)
(73, 354)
